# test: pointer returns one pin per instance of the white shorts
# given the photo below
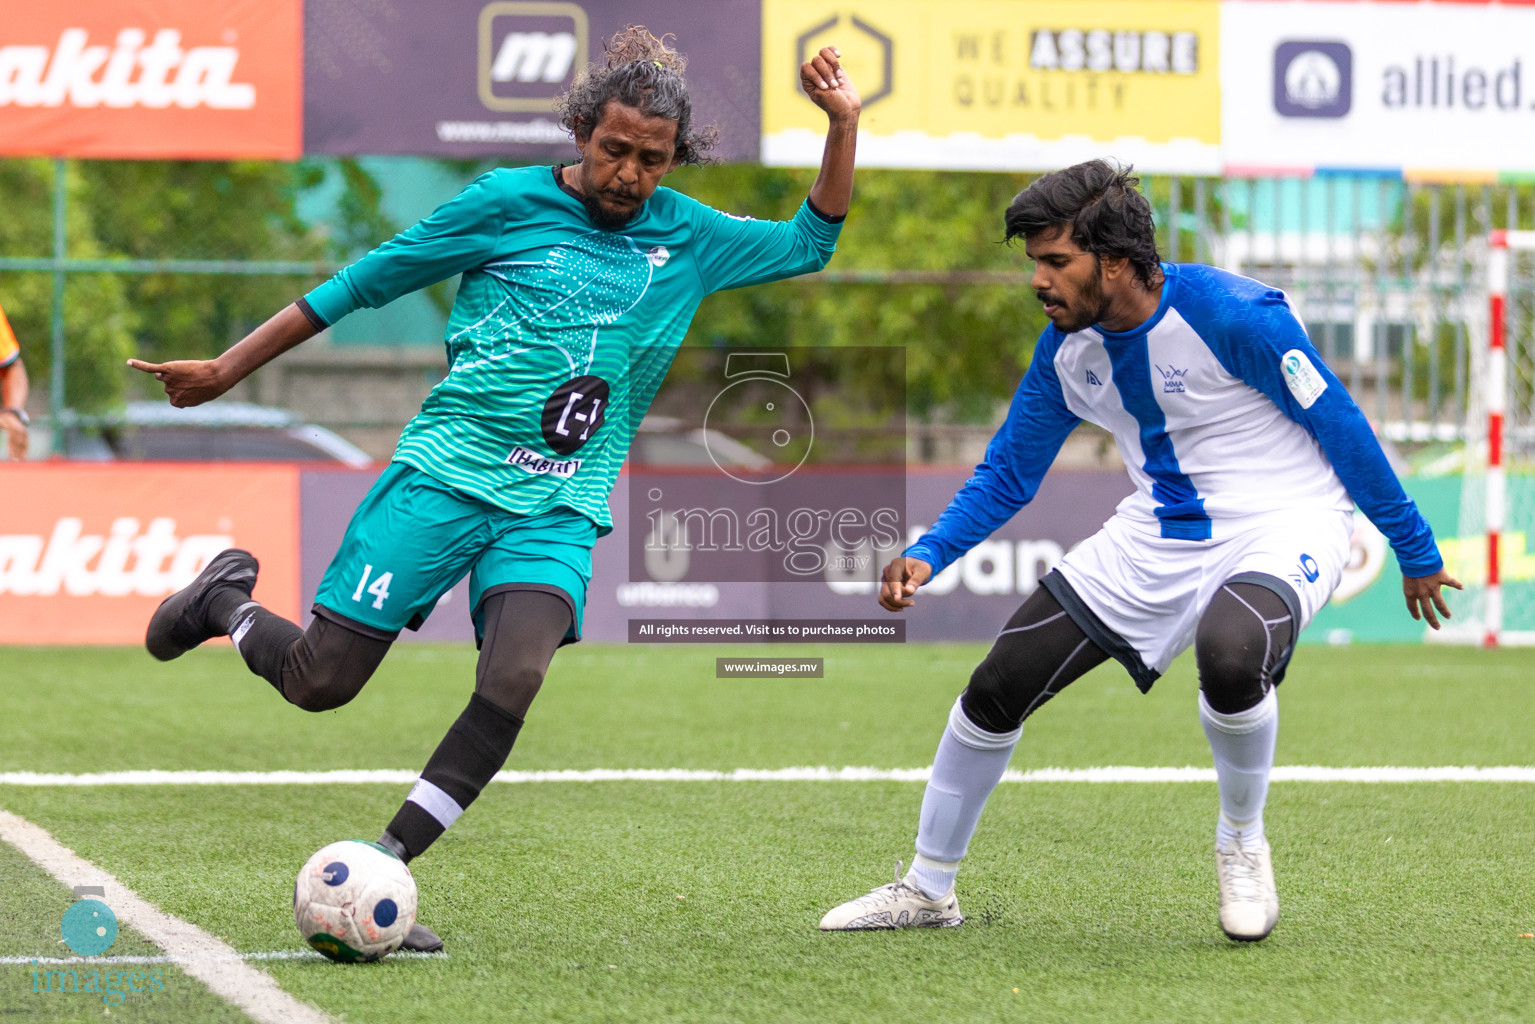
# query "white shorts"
(1147, 592)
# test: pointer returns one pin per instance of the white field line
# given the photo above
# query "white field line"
(275, 954)
(1281, 773)
(210, 960)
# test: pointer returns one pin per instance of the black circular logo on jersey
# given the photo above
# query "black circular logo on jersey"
(574, 413)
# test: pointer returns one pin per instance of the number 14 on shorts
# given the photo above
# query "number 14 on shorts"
(379, 588)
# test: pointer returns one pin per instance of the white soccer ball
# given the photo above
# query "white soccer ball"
(354, 901)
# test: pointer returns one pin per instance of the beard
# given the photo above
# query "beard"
(605, 218)
(1090, 306)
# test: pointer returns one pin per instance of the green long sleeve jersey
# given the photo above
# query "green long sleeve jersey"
(561, 332)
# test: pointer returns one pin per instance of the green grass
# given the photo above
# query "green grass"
(560, 902)
(31, 906)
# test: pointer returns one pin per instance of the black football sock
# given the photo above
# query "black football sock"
(468, 757)
(223, 602)
(263, 639)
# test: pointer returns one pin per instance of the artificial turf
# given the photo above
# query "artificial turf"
(697, 901)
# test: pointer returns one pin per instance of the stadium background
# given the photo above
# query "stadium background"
(1365, 183)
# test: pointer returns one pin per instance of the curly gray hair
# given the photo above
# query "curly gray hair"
(643, 72)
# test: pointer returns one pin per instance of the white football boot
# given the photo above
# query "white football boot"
(1249, 901)
(896, 905)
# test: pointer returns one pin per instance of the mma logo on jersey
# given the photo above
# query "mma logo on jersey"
(658, 256)
(1172, 379)
(538, 464)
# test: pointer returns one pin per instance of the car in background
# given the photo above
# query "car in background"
(155, 431)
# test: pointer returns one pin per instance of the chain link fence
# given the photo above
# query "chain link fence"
(102, 260)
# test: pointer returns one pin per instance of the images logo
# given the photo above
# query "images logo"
(529, 52)
(89, 926)
(1313, 79)
(805, 479)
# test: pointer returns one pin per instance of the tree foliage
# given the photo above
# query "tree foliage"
(99, 321)
(967, 345)
(240, 210)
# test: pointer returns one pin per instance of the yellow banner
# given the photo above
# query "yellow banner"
(1004, 83)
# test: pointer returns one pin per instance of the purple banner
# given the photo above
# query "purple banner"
(470, 78)
(969, 601)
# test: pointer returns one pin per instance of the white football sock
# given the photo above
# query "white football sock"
(1243, 745)
(969, 764)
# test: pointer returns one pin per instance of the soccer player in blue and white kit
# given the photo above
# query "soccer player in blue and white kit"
(1247, 456)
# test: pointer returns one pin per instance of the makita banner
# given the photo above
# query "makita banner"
(180, 79)
(88, 552)
(469, 78)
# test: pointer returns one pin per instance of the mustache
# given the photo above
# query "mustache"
(1048, 299)
(619, 193)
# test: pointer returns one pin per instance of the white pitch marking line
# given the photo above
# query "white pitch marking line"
(1107, 774)
(275, 954)
(210, 960)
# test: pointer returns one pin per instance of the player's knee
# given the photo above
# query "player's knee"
(1231, 672)
(511, 687)
(329, 665)
(322, 693)
(988, 701)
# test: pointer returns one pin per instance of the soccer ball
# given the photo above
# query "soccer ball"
(354, 901)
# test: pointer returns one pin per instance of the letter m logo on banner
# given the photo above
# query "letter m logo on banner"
(530, 52)
(151, 79)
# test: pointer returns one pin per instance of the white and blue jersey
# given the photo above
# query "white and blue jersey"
(1225, 416)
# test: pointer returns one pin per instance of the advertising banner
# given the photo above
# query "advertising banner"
(1003, 85)
(970, 600)
(1429, 90)
(152, 79)
(478, 78)
(88, 552)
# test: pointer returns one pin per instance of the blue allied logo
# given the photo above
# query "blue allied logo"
(1308, 568)
(1092, 378)
(89, 927)
(1313, 78)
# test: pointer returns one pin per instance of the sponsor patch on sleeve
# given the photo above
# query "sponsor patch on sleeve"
(1302, 378)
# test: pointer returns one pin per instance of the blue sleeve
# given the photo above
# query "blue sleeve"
(733, 252)
(1263, 342)
(1016, 460)
(459, 235)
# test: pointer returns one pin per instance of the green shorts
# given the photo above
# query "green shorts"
(413, 538)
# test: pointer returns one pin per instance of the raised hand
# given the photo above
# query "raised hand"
(1423, 595)
(828, 86)
(902, 578)
(187, 381)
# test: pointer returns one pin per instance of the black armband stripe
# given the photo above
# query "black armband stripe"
(310, 315)
(828, 218)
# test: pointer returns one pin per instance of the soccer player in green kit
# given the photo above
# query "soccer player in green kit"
(579, 283)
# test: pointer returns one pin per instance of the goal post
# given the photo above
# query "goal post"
(1493, 510)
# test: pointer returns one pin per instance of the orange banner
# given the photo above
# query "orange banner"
(171, 79)
(88, 552)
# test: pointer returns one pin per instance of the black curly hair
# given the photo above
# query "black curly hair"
(644, 72)
(1101, 204)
